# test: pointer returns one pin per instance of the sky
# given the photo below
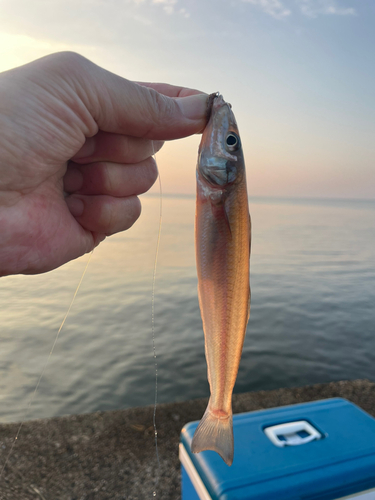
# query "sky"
(300, 75)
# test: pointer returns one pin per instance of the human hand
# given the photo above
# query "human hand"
(75, 151)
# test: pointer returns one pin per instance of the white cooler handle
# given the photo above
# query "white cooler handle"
(287, 434)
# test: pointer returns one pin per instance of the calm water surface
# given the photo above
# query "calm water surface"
(312, 314)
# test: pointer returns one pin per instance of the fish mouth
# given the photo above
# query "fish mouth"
(218, 102)
(214, 102)
(210, 102)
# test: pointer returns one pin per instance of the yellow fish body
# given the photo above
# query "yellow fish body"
(222, 236)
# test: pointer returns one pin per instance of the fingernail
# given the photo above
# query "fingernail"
(193, 107)
(75, 206)
(86, 150)
(156, 146)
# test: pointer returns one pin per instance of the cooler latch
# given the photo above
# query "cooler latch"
(292, 433)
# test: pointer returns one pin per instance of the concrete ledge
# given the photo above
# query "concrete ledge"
(111, 455)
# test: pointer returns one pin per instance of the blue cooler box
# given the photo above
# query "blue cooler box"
(322, 450)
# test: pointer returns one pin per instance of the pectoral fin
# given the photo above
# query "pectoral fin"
(221, 218)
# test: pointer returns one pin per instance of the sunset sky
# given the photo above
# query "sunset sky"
(300, 75)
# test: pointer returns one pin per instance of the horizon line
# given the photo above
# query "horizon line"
(265, 197)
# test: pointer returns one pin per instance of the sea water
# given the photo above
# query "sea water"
(312, 313)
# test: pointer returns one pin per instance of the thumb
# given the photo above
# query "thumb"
(121, 106)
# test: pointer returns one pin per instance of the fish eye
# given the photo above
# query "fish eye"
(232, 142)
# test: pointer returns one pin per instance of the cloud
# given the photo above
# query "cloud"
(184, 13)
(311, 8)
(168, 5)
(274, 8)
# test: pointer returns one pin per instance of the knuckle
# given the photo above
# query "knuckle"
(133, 210)
(106, 180)
(145, 175)
(137, 207)
(65, 59)
(106, 218)
(151, 173)
(116, 217)
(162, 107)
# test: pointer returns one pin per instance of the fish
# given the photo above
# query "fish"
(222, 243)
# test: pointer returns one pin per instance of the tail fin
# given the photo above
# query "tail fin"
(215, 432)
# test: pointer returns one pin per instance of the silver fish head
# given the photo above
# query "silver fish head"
(220, 157)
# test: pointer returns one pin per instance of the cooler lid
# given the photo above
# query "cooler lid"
(337, 461)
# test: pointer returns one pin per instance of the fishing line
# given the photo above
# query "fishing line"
(153, 325)
(153, 343)
(45, 366)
